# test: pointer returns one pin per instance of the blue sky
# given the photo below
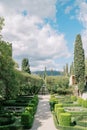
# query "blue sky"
(44, 31)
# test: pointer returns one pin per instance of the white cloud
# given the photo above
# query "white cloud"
(30, 36)
(43, 9)
(82, 17)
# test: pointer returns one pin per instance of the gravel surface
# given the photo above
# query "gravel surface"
(43, 118)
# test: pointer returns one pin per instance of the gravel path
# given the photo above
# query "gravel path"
(43, 118)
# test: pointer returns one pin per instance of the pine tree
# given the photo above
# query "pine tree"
(79, 60)
(26, 66)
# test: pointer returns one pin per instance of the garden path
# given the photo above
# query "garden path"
(43, 118)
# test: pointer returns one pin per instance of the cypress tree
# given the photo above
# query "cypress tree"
(26, 66)
(66, 69)
(72, 69)
(79, 60)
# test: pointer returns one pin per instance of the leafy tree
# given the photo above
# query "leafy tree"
(26, 66)
(79, 60)
(7, 74)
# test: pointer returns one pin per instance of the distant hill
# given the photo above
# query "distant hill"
(48, 72)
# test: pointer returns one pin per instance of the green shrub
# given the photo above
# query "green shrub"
(33, 106)
(59, 110)
(82, 123)
(73, 98)
(52, 102)
(7, 119)
(57, 106)
(65, 119)
(84, 103)
(64, 91)
(80, 100)
(4, 127)
(29, 109)
(26, 119)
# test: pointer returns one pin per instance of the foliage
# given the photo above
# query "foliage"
(1, 25)
(72, 69)
(81, 86)
(57, 82)
(79, 100)
(67, 69)
(74, 119)
(65, 119)
(73, 98)
(79, 59)
(26, 119)
(86, 66)
(29, 109)
(7, 73)
(26, 66)
(28, 84)
(12, 81)
(57, 106)
(52, 102)
(84, 103)
(59, 111)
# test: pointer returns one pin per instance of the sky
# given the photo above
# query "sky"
(44, 31)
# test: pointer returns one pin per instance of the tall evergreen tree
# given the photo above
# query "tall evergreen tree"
(45, 72)
(86, 66)
(1, 25)
(72, 69)
(66, 69)
(79, 60)
(26, 66)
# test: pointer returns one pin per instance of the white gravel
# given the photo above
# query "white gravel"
(43, 118)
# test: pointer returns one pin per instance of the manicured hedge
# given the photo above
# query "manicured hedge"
(74, 119)
(57, 106)
(80, 100)
(11, 127)
(30, 109)
(73, 98)
(64, 119)
(66, 127)
(84, 103)
(52, 102)
(59, 111)
(81, 123)
(26, 120)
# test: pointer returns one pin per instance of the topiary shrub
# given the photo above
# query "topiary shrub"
(80, 100)
(29, 109)
(59, 111)
(65, 119)
(73, 98)
(57, 106)
(84, 103)
(26, 120)
(52, 103)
